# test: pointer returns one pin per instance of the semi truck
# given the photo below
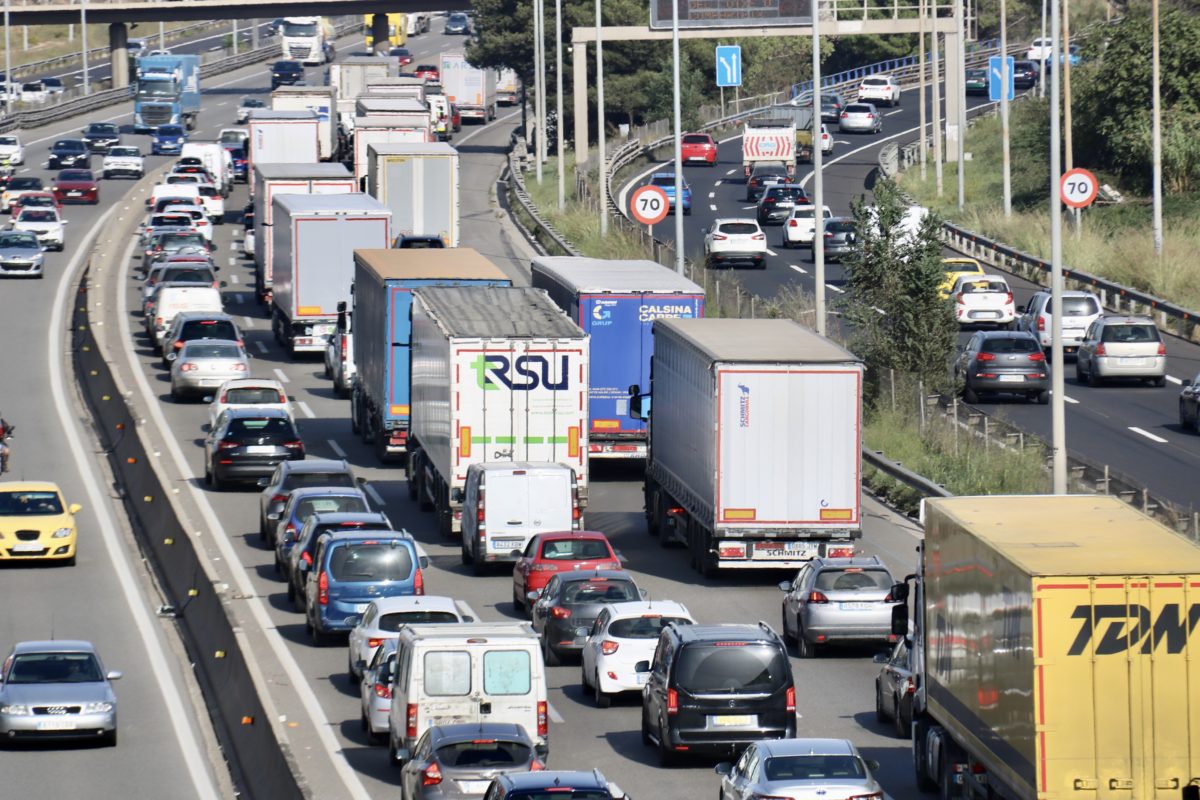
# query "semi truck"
(472, 89)
(281, 137)
(384, 130)
(319, 99)
(313, 241)
(166, 91)
(270, 180)
(769, 140)
(616, 302)
(1050, 646)
(757, 463)
(508, 88)
(350, 75)
(397, 30)
(381, 309)
(498, 374)
(308, 40)
(419, 183)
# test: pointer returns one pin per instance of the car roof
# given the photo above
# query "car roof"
(208, 342)
(238, 383)
(797, 747)
(583, 575)
(1013, 334)
(338, 517)
(557, 535)
(325, 491)
(1125, 319)
(54, 646)
(29, 486)
(555, 778)
(723, 220)
(238, 412)
(469, 731)
(429, 602)
(189, 316)
(727, 631)
(852, 561)
(317, 465)
(358, 537)
(640, 608)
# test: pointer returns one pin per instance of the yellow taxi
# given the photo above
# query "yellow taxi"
(35, 523)
(955, 268)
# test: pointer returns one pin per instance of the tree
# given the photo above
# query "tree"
(899, 318)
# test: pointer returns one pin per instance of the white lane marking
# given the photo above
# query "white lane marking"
(837, 289)
(555, 717)
(749, 208)
(1147, 434)
(897, 111)
(730, 172)
(233, 261)
(472, 134)
(1071, 400)
(465, 610)
(308, 412)
(262, 348)
(374, 494)
(248, 322)
(23, 169)
(718, 182)
(799, 269)
(283, 378)
(1174, 380)
(712, 207)
(336, 448)
(711, 195)
(222, 103)
(234, 279)
(771, 252)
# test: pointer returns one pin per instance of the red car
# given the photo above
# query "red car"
(34, 200)
(402, 55)
(455, 118)
(429, 72)
(549, 553)
(699, 148)
(76, 186)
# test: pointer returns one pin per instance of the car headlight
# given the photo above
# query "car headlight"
(63, 533)
(97, 708)
(15, 710)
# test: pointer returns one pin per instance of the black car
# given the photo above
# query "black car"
(831, 107)
(551, 783)
(466, 753)
(305, 546)
(1010, 362)
(248, 443)
(289, 476)
(564, 611)
(458, 24)
(713, 689)
(418, 242)
(1026, 74)
(286, 73)
(198, 326)
(69, 153)
(100, 136)
(760, 176)
(777, 202)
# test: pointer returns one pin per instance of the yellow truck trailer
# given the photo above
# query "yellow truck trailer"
(1052, 651)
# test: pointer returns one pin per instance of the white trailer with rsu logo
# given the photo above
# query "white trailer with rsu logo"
(755, 461)
(498, 374)
(283, 137)
(315, 237)
(320, 99)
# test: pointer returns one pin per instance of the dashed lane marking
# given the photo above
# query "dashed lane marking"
(837, 289)
(336, 448)
(283, 378)
(1174, 380)
(373, 493)
(555, 717)
(262, 348)
(308, 412)
(1147, 434)
(711, 207)
(799, 269)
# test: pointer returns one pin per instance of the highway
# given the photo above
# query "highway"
(1131, 427)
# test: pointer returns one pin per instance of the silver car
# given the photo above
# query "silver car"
(375, 689)
(860, 118)
(845, 600)
(204, 364)
(21, 254)
(459, 762)
(822, 768)
(57, 689)
(1122, 347)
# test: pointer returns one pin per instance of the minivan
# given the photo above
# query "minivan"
(172, 300)
(508, 503)
(472, 672)
(352, 569)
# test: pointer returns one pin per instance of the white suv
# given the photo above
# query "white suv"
(879, 89)
(1080, 310)
(1040, 50)
(983, 300)
(799, 229)
(729, 242)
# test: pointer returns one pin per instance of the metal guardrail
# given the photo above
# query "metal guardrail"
(518, 190)
(898, 472)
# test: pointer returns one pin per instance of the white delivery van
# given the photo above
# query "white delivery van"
(217, 160)
(507, 503)
(190, 191)
(174, 299)
(473, 672)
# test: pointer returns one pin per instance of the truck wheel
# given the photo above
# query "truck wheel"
(924, 783)
(947, 788)
(355, 425)
(880, 715)
(381, 448)
(423, 500)
(445, 520)
(411, 476)
(660, 514)
(465, 554)
(903, 726)
(478, 565)
(651, 501)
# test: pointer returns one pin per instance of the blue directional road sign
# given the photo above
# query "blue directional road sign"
(729, 65)
(995, 74)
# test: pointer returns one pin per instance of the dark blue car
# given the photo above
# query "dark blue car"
(168, 139)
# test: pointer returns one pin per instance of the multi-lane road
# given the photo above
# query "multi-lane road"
(1130, 427)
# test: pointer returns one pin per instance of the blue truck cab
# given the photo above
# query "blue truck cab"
(166, 91)
(168, 139)
(384, 281)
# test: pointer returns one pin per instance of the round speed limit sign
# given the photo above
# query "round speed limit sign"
(649, 204)
(1078, 188)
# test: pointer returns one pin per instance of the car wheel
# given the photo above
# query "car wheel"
(903, 726)
(394, 754)
(364, 724)
(602, 698)
(278, 565)
(804, 648)
(646, 740)
(1160, 381)
(788, 638)
(969, 395)
(328, 371)
(297, 598)
(319, 637)
(465, 554)
(923, 781)
(350, 667)
(666, 756)
(550, 655)
(519, 604)
(1078, 372)
(880, 716)
(1093, 379)
(1183, 420)
(478, 565)
(1042, 397)
(110, 738)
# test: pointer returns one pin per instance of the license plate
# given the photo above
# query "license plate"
(474, 787)
(322, 330)
(987, 314)
(732, 721)
(1011, 378)
(28, 547)
(855, 606)
(56, 725)
(506, 545)
(74, 193)
(1131, 362)
(260, 449)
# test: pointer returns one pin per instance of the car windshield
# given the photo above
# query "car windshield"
(170, 130)
(103, 128)
(9, 141)
(253, 102)
(299, 480)
(1129, 334)
(252, 395)
(858, 108)
(420, 244)
(738, 227)
(666, 181)
(647, 627)
(353, 562)
(696, 138)
(299, 28)
(37, 215)
(207, 350)
(812, 767)
(207, 330)
(176, 241)
(1079, 306)
(24, 184)
(730, 667)
(852, 579)
(32, 668)
(574, 550)
(68, 145)
(262, 426)
(182, 177)
(128, 152)
(30, 504)
(875, 82)
(983, 287)
(961, 267)
(36, 201)
(977, 73)
(330, 504)
(208, 191)
(398, 619)
(484, 753)
(559, 793)
(14, 239)
(785, 193)
(74, 175)
(598, 590)
(1010, 344)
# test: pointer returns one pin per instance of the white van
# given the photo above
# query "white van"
(473, 672)
(217, 160)
(507, 503)
(173, 299)
(190, 191)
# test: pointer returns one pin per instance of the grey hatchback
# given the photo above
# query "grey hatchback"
(845, 600)
(564, 611)
(294, 475)
(457, 762)
(841, 238)
(1003, 361)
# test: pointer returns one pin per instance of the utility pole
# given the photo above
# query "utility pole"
(1064, 61)
(1058, 419)
(1042, 63)
(558, 105)
(679, 247)
(924, 145)
(961, 122)
(539, 121)
(818, 187)
(937, 107)
(601, 137)
(1156, 110)
(1004, 78)
(87, 88)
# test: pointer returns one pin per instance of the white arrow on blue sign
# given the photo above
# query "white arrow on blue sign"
(729, 65)
(995, 76)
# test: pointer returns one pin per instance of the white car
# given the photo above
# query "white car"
(623, 635)
(983, 300)
(200, 220)
(214, 202)
(248, 243)
(34, 92)
(879, 89)
(45, 223)
(384, 618)
(799, 229)
(375, 692)
(729, 242)
(826, 141)
(124, 161)
(259, 393)
(12, 150)
(1040, 50)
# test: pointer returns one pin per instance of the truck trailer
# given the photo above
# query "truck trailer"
(769, 140)
(283, 137)
(472, 89)
(319, 99)
(308, 40)
(383, 130)
(1051, 650)
(381, 309)
(616, 303)
(419, 183)
(498, 374)
(314, 239)
(756, 462)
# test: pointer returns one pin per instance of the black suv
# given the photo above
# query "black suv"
(760, 176)
(69, 153)
(565, 785)
(713, 689)
(286, 73)
(100, 136)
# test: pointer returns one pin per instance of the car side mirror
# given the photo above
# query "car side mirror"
(423, 561)
(114, 675)
(899, 619)
(1187, 382)
(785, 586)
(641, 666)
(515, 553)
(74, 508)
(360, 665)
(223, 284)
(264, 483)
(65, 221)
(872, 764)
(273, 516)
(171, 356)
(533, 596)
(724, 768)
(303, 565)
(468, 618)
(899, 592)
(881, 658)
(208, 398)
(644, 593)
(353, 620)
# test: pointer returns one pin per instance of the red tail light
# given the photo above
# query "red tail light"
(373, 642)
(1039, 356)
(608, 647)
(189, 367)
(870, 116)
(323, 588)
(225, 444)
(558, 612)
(961, 299)
(1008, 298)
(290, 532)
(1041, 323)
(307, 558)
(410, 721)
(383, 691)
(793, 223)
(758, 237)
(985, 357)
(543, 723)
(296, 445)
(431, 775)
(844, 115)
(791, 698)
(224, 398)
(672, 701)
(279, 498)
(239, 367)
(576, 514)
(1162, 349)
(536, 766)
(1100, 350)
(419, 582)
(816, 597)
(717, 237)
(479, 514)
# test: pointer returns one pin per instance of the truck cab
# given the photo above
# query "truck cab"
(166, 92)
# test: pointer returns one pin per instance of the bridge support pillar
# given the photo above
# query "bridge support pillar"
(118, 45)
(955, 62)
(579, 92)
(379, 33)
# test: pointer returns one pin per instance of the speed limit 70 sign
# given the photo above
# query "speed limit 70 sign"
(649, 205)
(1078, 188)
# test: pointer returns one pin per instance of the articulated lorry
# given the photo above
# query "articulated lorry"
(757, 461)
(381, 308)
(498, 374)
(472, 89)
(419, 183)
(1051, 648)
(308, 40)
(313, 239)
(318, 99)
(616, 303)
(166, 91)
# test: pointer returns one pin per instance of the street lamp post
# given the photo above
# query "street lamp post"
(679, 247)
(558, 104)
(1156, 133)
(540, 81)
(601, 134)
(1058, 429)
(924, 145)
(8, 76)
(1004, 78)
(83, 27)
(818, 186)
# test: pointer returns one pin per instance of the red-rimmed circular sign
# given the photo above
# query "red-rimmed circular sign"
(649, 205)
(1078, 188)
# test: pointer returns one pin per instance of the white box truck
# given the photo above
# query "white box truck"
(756, 461)
(472, 89)
(419, 183)
(217, 161)
(349, 76)
(383, 130)
(320, 99)
(313, 242)
(402, 86)
(270, 180)
(282, 137)
(508, 88)
(498, 374)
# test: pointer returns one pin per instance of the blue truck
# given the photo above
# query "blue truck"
(380, 310)
(616, 302)
(166, 91)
